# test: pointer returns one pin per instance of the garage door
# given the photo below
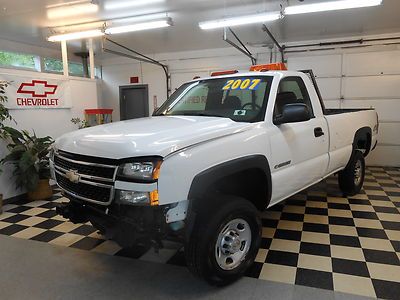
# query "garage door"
(363, 80)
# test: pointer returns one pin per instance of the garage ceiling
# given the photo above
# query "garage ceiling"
(25, 21)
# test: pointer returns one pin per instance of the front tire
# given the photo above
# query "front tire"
(224, 241)
(351, 179)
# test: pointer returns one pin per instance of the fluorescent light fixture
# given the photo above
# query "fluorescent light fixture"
(76, 35)
(236, 21)
(329, 6)
(138, 19)
(71, 9)
(79, 27)
(126, 4)
(139, 26)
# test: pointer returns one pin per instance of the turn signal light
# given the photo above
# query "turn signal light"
(229, 72)
(156, 171)
(269, 67)
(154, 198)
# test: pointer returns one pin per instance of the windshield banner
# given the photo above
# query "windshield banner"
(30, 93)
(242, 84)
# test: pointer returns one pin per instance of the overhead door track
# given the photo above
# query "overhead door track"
(140, 57)
(242, 48)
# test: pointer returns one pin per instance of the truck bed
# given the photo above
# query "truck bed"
(342, 129)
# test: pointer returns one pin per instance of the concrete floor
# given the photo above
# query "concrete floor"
(35, 270)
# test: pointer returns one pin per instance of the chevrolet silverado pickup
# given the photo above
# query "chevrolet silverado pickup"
(217, 152)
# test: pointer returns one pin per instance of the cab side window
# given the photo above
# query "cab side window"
(292, 90)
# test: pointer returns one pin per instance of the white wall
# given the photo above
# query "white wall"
(53, 122)
(353, 78)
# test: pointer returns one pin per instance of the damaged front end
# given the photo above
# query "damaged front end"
(119, 197)
(127, 225)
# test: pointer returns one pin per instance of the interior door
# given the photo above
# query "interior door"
(134, 102)
(299, 150)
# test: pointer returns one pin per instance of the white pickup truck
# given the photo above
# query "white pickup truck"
(219, 150)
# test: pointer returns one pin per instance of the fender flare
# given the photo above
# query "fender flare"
(204, 180)
(361, 134)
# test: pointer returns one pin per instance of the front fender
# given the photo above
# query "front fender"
(203, 181)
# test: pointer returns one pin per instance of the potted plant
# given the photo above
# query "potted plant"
(30, 156)
(81, 123)
(4, 116)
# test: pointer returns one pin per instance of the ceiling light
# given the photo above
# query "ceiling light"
(331, 5)
(139, 26)
(75, 35)
(79, 27)
(249, 19)
(125, 4)
(71, 9)
(139, 19)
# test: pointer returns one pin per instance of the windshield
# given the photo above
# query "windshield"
(242, 99)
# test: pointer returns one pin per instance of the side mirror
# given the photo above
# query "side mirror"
(294, 112)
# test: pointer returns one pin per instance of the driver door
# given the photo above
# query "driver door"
(300, 149)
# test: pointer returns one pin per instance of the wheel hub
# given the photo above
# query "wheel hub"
(232, 244)
(235, 245)
(358, 173)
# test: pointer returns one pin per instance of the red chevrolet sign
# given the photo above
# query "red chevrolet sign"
(39, 90)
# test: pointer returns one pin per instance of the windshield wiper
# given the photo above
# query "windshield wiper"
(207, 115)
(213, 115)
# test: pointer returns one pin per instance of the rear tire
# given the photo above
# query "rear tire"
(351, 179)
(224, 241)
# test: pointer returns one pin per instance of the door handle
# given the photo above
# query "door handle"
(318, 132)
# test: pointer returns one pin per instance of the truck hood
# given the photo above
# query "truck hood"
(159, 136)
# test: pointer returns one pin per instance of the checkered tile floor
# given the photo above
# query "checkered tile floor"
(316, 238)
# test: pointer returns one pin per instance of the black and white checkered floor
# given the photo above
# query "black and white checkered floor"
(316, 238)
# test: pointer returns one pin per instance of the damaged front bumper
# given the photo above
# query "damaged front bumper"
(125, 224)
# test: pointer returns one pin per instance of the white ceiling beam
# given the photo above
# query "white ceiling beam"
(91, 59)
(64, 53)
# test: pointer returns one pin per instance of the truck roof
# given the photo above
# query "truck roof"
(252, 73)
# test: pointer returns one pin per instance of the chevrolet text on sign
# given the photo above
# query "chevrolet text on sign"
(30, 93)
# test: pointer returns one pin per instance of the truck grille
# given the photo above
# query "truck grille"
(83, 178)
(100, 194)
(92, 170)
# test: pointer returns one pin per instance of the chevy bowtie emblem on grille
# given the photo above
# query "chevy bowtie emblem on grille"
(72, 176)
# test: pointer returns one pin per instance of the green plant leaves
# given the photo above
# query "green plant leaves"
(29, 155)
(4, 113)
(13, 134)
(26, 161)
(81, 123)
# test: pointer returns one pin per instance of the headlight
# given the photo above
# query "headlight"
(142, 171)
(137, 198)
